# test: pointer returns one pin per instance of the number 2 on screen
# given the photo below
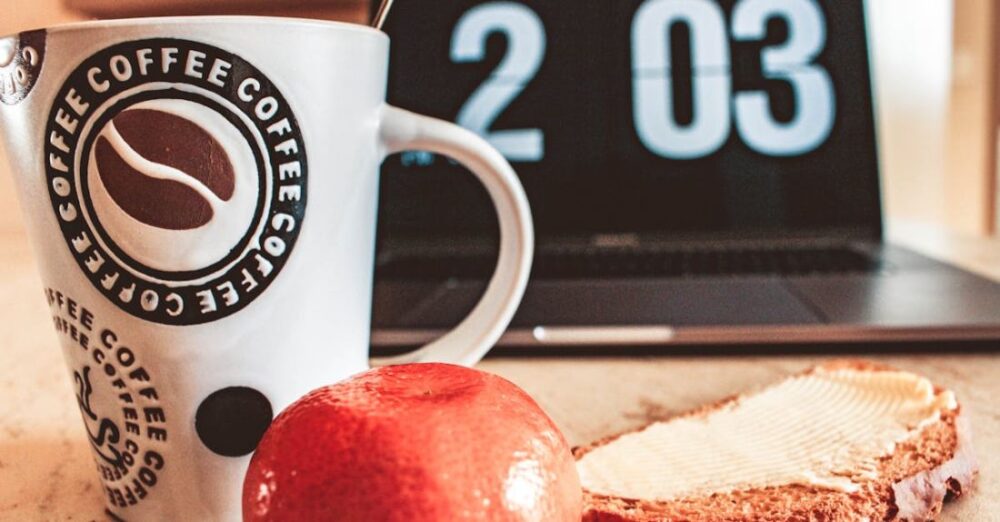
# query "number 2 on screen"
(653, 111)
(525, 51)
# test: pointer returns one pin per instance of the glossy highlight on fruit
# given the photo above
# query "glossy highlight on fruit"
(414, 443)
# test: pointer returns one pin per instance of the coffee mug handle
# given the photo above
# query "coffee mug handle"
(403, 130)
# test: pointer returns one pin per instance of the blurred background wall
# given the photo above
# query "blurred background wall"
(912, 51)
(935, 75)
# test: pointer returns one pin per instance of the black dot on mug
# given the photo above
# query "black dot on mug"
(231, 421)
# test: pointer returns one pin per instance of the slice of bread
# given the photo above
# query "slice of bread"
(845, 441)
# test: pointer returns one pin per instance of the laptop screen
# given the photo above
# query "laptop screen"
(684, 117)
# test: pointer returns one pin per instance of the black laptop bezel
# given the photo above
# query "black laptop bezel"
(441, 243)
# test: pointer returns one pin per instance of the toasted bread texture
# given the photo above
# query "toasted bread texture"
(932, 465)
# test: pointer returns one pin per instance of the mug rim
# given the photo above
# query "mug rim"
(206, 19)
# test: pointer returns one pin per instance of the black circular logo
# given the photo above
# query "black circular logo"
(177, 172)
(231, 421)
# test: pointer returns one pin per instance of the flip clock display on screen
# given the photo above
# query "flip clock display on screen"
(707, 101)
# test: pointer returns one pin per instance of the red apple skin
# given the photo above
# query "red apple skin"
(414, 443)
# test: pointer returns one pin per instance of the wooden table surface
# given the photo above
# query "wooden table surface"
(46, 471)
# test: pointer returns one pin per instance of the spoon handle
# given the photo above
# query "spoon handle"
(382, 14)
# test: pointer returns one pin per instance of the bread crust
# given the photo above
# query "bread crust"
(933, 466)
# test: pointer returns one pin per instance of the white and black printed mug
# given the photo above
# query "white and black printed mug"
(201, 197)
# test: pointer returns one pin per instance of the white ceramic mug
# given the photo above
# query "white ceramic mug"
(201, 195)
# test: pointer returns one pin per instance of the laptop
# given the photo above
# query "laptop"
(700, 172)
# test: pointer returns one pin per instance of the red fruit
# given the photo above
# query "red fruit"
(414, 443)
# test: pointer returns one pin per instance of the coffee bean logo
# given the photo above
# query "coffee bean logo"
(163, 170)
(174, 183)
(177, 174)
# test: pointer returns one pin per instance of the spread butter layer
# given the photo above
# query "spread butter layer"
(819, 429)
